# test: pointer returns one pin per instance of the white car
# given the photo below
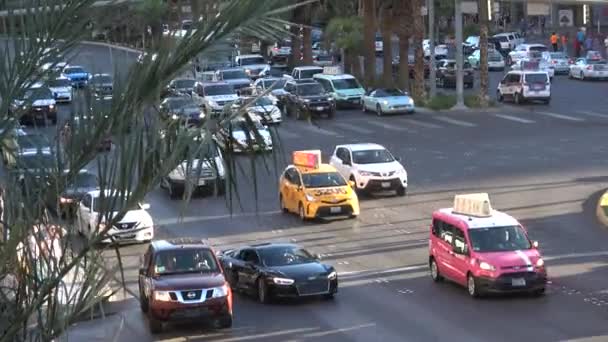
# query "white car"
(585, 68)
(262, 108)
(239, 136)
(214, 96)
(136, 225)
(524, 51)
(524, 85)
(440, 49)
(208, 174)
(371, 166)
(61, 88)
(251, 64)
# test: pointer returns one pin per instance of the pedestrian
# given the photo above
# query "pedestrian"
(580, 40)
(554, 40)
(589, 43)
(606, 45)
(565, 43)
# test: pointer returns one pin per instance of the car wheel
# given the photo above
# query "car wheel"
(156, 326)
(472, 286)
(517, 98)
(225, 322)
(435, 275)
(282, 204)
(401, 191)
(582, 76)
(262, 292)
(499, 96)
(143, 301)
(539, 292)
(301, 212)
(379, 110)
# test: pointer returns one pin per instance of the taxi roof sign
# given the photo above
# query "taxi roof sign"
(477, 205)
(332, 70)
(310, 159)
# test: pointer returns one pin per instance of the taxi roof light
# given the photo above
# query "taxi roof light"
(477, 205)
(310, 159)
(332, 70)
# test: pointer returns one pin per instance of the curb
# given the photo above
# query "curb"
(601, 210)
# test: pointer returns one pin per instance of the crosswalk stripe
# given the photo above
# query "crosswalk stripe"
(560, 116)
(315, 129)
(584, 112)
(352, 127)
(514, 118)
(388, 127)
(455, 122)
(420, 123)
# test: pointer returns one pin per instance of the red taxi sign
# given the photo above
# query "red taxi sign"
(309, 159)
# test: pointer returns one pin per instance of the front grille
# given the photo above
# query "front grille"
(319, 103)
(125, 225)
(338, 202)
(191, 295)
(205, 173)
(516, 267)
(356, 98)
(376, 184)
(313, 287)
(525, 275)
(345, 210)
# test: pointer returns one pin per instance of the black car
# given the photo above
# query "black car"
(182, 108)
(275, 270)
(101, 85)
(179, 87)
(82, 183)
(308, 97)
(446, 74)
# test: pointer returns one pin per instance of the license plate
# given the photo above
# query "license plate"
(319, 108)
(192, 313)
(386, 184)
(518, 282)
(537, 87)
(201, 182)
(354, 101)
(335, 210)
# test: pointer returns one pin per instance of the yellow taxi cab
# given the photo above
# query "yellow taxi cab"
(316, 190)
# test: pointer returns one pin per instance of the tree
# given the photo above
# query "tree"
(369, 38)
(483, 53)
(404, 32)
(306, 34)
(387, 19)
(346, 33)
(418, 30)
(37, 259)
(151, 13)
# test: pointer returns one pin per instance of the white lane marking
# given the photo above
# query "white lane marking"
(385, 271)
(598, 115)
(514, 118)
(192, 219)
(455, 122)
(560, 116)
(352, 127)
(285, 133)
(396, 128)
(421, 123)
(318, 130)
(575, 255)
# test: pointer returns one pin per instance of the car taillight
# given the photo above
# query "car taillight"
(570, 61)
(589, 67)
(554, 61)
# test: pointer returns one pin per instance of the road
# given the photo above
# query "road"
(542, 164)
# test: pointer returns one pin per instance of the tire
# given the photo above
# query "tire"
(143, 301)
(156, 326)
(301, 212)
(379, 110)
(263, 297)
(472, 286)
(517, 98)
(539, 292)
(173, 193)
(499, 97)
(282, 204)
(225, 322)
(401, 191)
(435, 275)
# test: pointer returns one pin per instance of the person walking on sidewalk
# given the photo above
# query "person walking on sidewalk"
(565, 43)
(580, 40)
(606, 45)
(554, 40)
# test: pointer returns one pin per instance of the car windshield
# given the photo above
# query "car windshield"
(41, 93)
(101, 79)
(233, 74)
(536, 78)
(372, 157)
(558, 55)
(274, 84)
(502, 39)
(284, 256)
(36, 161)
(252, 60)
(84, 180)
(114, 204)
(322, 180)
(346, 83)
(74, 70)
(60, 82)
(389, 92)
(32, 141)
(472, 40)
(538, 48)
(183, 84)
(309, 73)
(215, 90)
(310, 89)
(498, 239)
(185, 260)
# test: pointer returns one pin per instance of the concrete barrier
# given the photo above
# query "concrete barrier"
(602, 209)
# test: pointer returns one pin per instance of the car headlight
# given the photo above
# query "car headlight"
(201, 115)
(162, 296)
(330, 99)
(385, 102)
(485, 266)
(306, 100)
(410, 101)
(310, 198)
(174, 117)
(282, 281)
(64, 200)
(213, 103)
(540, 262)
(332, 275)
(365, 173)
(51, 106)
(248, 71)
(221, 291)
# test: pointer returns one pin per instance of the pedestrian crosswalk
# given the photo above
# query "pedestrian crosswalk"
(367, 126)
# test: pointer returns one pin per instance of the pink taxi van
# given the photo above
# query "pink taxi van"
(483, 249)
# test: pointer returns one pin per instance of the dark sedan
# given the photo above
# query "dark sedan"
(182, 108)
(446, 74)
(179, 87)
(272, 270)
(82, 183)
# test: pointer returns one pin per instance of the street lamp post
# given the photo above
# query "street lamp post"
(459, 56)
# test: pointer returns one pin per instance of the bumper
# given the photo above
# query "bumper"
(398, 109)
(538, 95)
(132, 235)
(39, 114)
(210, 183)
(303, 289)
(327, 210)
(513, 282)
(382, 184)
(597, 74)
(181, 312)
(562, 69)
(320, 109)
(348, 103)
(63, 97)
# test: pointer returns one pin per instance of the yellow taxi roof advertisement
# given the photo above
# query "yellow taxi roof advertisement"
(473, 205)
(309, 159)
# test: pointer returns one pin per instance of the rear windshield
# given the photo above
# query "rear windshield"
(346, 83)
(233, 74)
(187, 260)
(214, 90)
(536, 78)
(309, 73)
(60, 82)
(538, 48)
(252, 60)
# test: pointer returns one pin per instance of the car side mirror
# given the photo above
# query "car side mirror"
(142, 271)
(398, 159)
(145, 206)
(535, 244)
(299, 188)
(318, 256)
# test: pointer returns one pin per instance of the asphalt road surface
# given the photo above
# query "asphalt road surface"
(543, 164)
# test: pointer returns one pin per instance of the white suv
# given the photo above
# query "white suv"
(136, 225)
(525, 85)
(371, 166)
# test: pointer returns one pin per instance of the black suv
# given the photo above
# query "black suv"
(308, 97)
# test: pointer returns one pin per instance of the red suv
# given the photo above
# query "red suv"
(182, 280)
